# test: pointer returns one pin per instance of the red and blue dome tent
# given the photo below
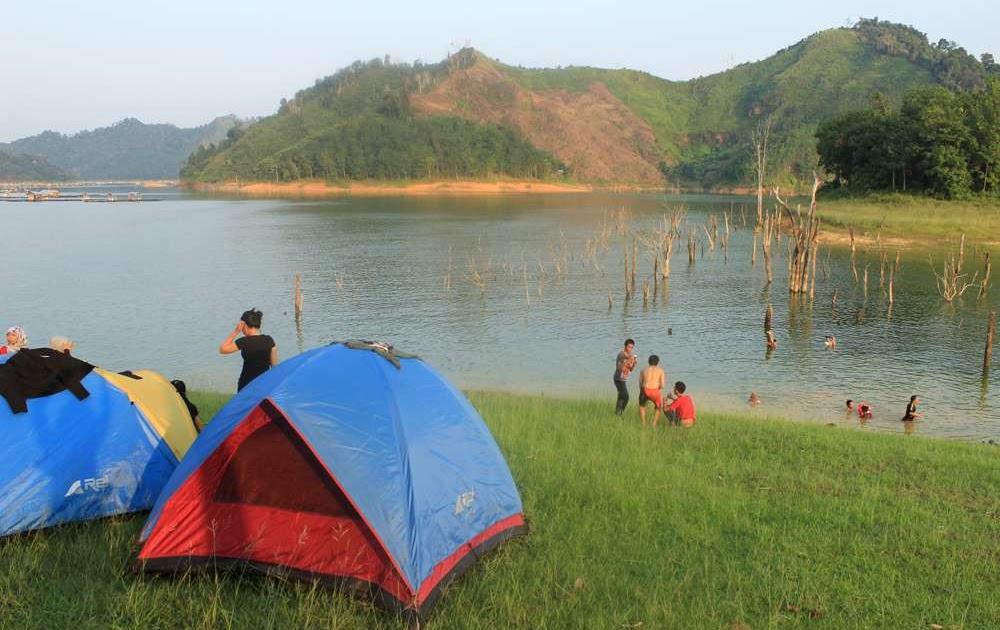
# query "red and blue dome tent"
(348, 464)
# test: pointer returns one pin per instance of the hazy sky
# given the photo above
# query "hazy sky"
(69, 66)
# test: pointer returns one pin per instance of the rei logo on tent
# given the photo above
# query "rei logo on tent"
(464, 502)
(90, 484)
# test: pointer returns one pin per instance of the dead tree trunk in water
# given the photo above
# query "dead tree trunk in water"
(812, 280)
(951, 281)
(635, 254)
(766, 246)
(892, 276)
(805, 232)
(298, 297)
(628, 291)
(990, 331)
(668, 249)
(854, 267)
(759, 139)
(987, 267)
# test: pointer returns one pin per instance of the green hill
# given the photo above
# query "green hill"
(470, 116)
(21, 167)
(129, 149)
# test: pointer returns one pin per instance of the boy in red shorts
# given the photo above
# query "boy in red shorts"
(651, 381)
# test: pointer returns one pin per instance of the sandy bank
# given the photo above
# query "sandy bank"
(319, 189)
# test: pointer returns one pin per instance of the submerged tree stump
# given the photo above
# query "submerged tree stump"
(990, 331)
(298, 297)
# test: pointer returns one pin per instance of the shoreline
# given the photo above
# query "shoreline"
(916, 222)
(314, 189)
(752, 414)
(833, 232)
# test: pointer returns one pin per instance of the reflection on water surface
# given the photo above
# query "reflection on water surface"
(507, 293)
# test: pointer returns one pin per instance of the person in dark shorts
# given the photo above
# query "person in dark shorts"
(624, 364)
(911, 409)
(258, 350)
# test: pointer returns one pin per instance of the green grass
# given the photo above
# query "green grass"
(918, 217)
(736, 522)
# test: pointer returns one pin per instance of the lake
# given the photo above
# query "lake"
(506, 293)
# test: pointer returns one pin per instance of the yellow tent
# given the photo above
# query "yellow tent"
(161, 404)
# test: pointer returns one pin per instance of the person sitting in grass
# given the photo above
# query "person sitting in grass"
(651, 381)
(181, 388)
(681, 410)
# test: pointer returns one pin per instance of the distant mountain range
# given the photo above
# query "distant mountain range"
(129, 149)
(474, 117)
(399, 121)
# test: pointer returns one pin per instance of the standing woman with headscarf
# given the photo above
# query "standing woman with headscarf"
(259, 351)
(17, 339)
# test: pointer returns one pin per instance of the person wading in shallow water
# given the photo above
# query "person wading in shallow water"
(259, 351)
(624, 365)
(911, 409)
(864, 411)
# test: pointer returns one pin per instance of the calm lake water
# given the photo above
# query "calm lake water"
(504, 293)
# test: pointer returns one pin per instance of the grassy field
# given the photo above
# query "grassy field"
(914, 217)
(736, 523)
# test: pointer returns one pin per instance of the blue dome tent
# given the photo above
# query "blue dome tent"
(77, 442)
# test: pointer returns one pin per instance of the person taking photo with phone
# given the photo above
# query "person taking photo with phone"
(258, 350)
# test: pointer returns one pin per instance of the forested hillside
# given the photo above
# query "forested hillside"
(20, 167)
(359, 124)
(129, 149)
(471, 116)
(939, 142)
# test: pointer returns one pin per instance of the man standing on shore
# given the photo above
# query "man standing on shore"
(624, 365)
(651, 381)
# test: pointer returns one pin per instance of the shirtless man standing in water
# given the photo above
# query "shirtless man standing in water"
(651, 381)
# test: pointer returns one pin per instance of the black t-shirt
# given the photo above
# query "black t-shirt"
(256, 352)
